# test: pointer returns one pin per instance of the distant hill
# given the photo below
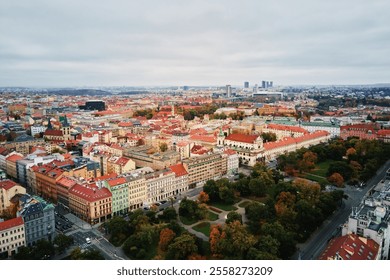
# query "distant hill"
(78, 92)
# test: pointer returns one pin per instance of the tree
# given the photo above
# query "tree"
(356, 167)
(307, 190)
(286, 200)
(233, 216)
(63, 242)
(235, 241)
(212, 190)
(182, 247)
(260, 185)
(257, 214)
(284, 237)
(166, 237)
(308, 218)
(336, 179)
(215, 236)
(163, 147)
(351, 154)
(307, 162)
(203, 197)
(168, 214)
(188, 208)
(342, 168)
(93, 254)
(226, 194)
(268, 137)
(118, 229)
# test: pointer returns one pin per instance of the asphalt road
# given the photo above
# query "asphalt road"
(318, 241)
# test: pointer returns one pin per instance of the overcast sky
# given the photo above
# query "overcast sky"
(186, 42)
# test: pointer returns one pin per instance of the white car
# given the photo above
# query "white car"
(88, 240)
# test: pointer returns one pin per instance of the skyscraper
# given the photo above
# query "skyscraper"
(246, 84)
(228, 90)
(264, 84)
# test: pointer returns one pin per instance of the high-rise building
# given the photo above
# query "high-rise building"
(267, 84)
(246, 84)
(228, 90)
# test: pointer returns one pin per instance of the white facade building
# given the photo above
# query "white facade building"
(12, 236)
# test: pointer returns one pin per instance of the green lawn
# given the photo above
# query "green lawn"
(187, 221)
(212, 216)
(321, 168)
(317, 179)
(203, 228)
(223, 206)
(244, 204)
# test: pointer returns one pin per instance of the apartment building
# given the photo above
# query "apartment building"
(8, 189)
(23, 143)
(371, 220)
(119, 189)
(160, 185)
(137, 190)
(120, 165)
(38, 217)
(10, 164)
(90, 202)
(12, 236)
(232, 161)
(46, 177)
(351, 247)
(206, 167)
(181, 178)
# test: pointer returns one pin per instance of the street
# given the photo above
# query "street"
(330, 228)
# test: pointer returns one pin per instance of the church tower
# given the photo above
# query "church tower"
(65, 129)
(220, 138)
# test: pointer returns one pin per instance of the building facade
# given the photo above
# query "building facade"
(90, 203)
(8, 189)
(12, 236)
(206, 167)
(38, 217)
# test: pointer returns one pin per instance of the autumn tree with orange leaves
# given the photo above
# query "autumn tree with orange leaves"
(336, 179)
(203, 197)
(166, 237)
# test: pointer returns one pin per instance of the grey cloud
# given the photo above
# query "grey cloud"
(193, 42)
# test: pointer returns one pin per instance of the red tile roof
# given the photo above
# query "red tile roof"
(237, 137)
(53, 132)
(116, 182)
(107, 176)
(384, 132)
(66, 182)
(183, 143)
(122, 161)
(286, 128)
(178, 169)
(203, 138)
(7, 184)
(14, 158)
(230, 152)
(11, 223)
(90, 194)
(351, 247)
(125, 124)
(292, 141)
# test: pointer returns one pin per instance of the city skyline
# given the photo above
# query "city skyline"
(46, 44)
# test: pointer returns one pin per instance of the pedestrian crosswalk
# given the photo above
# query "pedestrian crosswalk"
(85, 245)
